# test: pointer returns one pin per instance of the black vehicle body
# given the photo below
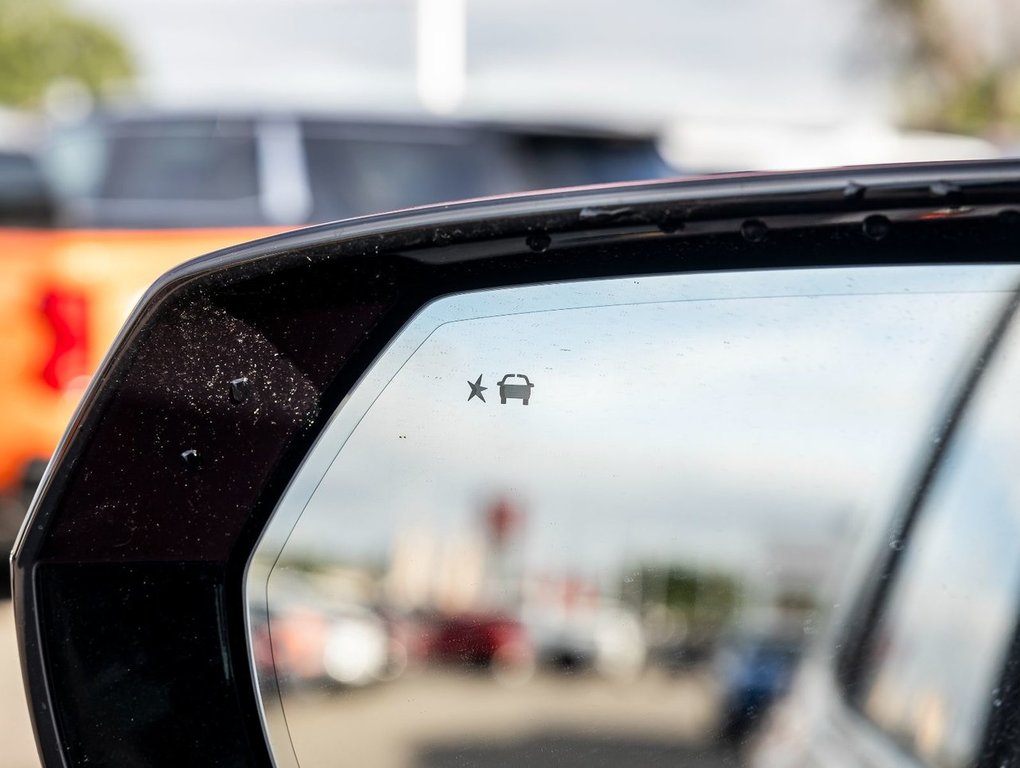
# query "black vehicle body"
(25, 197)
(756, 671)
(189, 168)
(128, 591)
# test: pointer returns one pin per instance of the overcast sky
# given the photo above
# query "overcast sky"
(801, 60)
(709, 430)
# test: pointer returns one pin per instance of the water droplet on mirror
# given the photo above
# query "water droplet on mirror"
(589, 213)
(192, 460)
(538, 242)
(945, 189)
(876, 227)
(854, 191)
(754, 230)
(239, 389)
(1009, 216)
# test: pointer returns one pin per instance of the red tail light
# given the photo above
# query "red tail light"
(67, 313)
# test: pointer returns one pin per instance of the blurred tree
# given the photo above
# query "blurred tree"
(704, 600)
(952, 78)
(42, 42)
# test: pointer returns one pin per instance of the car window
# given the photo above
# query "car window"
(933, 669)
(557, 161)
(355, 170)
(156, 172)
(358, 172)
(204, 160)
(19, 175)
(187, 160)
(24, 197)
(73, 160)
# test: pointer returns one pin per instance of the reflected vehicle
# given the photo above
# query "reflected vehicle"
(357, 649)
(322, 632)
(349, 646)
(492, 642)
(297, 645)
(753, 672)
(576, 629)
(609, 642)
(920, 666)
(26, 202)
(282, 485)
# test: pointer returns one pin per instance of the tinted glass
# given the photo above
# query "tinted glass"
(213, 160)
(940, 649)
(157, 172)
(24, 197)
(371, 171)
(355, 169)
(558, 161)
(19, 175)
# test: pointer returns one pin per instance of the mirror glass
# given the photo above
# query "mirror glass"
(600, 523)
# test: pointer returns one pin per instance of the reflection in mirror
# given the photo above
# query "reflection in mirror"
(597, 523)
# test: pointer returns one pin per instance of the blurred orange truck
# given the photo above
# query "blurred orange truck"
(63, 298)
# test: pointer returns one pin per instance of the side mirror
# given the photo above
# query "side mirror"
(304, 470)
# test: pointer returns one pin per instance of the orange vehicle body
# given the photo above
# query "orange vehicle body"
(63, 298)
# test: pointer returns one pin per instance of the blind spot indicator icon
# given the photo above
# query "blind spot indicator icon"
(515, 386)
(477, 389)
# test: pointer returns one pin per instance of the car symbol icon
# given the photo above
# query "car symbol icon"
(510, 386)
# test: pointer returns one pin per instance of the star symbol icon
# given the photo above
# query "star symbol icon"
(477, 389)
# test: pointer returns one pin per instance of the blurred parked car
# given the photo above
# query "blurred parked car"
(487, 641)
(920, 666)
(292, 644)
(357, 650)
(122, 182)
(345, 645)
(25, 202)
(604, 638)
(195, 170)
(753, 671)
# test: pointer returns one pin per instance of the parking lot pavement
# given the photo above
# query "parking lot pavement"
(17, 745)
(436, 719)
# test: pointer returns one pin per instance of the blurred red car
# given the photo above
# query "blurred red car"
(489, 641)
